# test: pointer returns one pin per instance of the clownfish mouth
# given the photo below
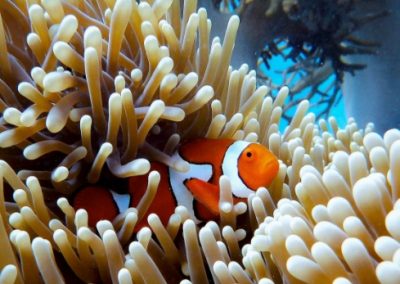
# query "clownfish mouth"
(271, 168)
(271, 165)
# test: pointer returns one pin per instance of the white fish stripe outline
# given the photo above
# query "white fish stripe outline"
(231, 170)
(182, 195)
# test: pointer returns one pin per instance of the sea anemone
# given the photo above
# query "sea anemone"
(91, 91)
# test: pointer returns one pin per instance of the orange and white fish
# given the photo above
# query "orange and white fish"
(247, 165)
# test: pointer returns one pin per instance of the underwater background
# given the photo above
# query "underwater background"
(128, 110)
(362, 35)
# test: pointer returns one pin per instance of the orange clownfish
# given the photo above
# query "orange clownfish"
(247, 165)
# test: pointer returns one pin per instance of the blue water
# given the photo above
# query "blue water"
(278, 64)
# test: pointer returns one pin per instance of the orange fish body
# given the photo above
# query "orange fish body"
(247, 165)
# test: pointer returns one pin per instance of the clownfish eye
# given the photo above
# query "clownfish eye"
(249, 154)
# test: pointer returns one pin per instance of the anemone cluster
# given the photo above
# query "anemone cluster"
(94, 90)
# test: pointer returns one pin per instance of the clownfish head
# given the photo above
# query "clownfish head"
(249, 166)
(257, 166)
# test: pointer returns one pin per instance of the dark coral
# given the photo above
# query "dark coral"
(326, 31)
(317, 36)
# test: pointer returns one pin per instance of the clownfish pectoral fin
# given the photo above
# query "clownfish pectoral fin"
(205, 193)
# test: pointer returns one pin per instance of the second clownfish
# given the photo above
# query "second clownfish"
(247, 165)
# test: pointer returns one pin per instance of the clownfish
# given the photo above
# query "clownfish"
(247, 165)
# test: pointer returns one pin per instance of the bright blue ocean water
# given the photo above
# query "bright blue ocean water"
(278, 64)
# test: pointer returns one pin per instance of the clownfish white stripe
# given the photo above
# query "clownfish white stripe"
(230, 168)
(122, 200)
(177, 182)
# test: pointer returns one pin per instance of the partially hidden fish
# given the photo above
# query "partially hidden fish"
(247, 165)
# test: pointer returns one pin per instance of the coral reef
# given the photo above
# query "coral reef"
(90, 91)
(315, 40)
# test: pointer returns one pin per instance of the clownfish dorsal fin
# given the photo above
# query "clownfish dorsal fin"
(205, 151)
(122, 200)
